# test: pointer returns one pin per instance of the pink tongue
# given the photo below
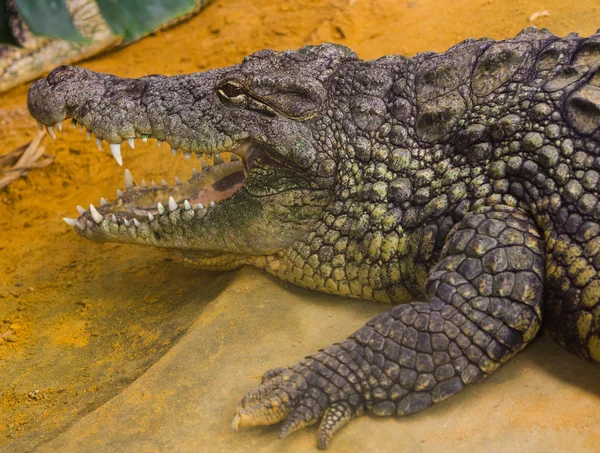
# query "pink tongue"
(208, 194)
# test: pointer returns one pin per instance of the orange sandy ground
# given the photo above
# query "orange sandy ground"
(77, 340)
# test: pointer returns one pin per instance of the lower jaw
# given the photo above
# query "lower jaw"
(144, 204)
(204, 190)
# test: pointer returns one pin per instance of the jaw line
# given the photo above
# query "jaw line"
(234, 225)
(144, 204)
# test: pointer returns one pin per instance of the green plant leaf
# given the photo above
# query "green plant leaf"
(135, 18)
(49, 18)
(6, 35)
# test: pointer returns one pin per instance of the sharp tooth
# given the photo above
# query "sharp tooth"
(73, 123)
(204, 162)
(131, 142)
(212, 204)
(172, 204)
(177, 181)
(200, 206)
(161, 208)
(102, 201)
(174, 151)
(79, 127)
(234, 157)
(80, 209)
(218, 159)
(126, 222)
(187, 155)
(194, 172)
(59, 126)
(150, 217)
(41, 126)
(137, 223)
(115, 149)
(164, 183)
(88, 135)
(51, 131)
(129, 183)
(119, 193)
(144, 185)
(159, 142)
(96, 215)
(71, 222)
(154, 185)
(144, 138)
(113, 218)
(186, 205)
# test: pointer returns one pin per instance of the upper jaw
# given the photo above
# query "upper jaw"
(185, 112)
(177, 110)
(121, 110)
(202, 151)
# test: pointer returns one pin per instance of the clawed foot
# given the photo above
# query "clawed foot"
(300, 397)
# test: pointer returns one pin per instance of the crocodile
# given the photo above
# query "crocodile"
(461, 186)
(36, 55)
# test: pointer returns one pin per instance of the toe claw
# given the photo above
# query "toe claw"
(235, 423)
(297, 397)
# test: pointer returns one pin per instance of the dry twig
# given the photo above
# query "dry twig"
(24, 159)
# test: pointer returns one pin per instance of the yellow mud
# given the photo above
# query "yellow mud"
(80, 321)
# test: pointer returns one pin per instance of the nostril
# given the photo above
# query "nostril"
(45, 104)
(48, 98)
(59, 74)
(64, 73)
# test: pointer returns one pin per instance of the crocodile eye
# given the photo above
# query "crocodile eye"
(231, 92)
(235, 94)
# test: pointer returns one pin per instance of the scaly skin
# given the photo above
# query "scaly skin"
(467, 180)
(38, 55)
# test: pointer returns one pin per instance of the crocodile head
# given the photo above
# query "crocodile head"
(258, 128)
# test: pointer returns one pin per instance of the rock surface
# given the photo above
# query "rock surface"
(544, 400)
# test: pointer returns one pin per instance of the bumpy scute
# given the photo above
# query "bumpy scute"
(467, 180)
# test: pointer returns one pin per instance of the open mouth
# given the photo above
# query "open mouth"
(217, 176)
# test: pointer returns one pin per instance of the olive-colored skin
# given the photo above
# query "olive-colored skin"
(468, 180)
